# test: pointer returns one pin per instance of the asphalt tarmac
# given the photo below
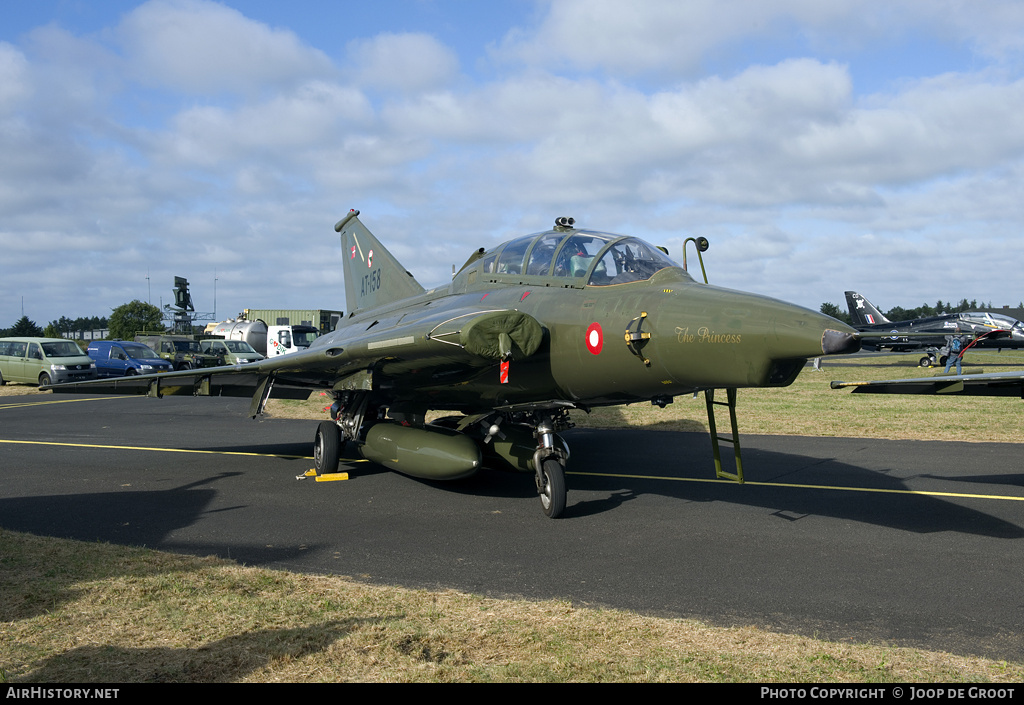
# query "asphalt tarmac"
(898, 542)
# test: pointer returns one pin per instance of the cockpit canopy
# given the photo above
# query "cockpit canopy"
(577, 256)
(992, 320)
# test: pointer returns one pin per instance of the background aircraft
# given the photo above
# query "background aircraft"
(555, 321)
(929, 334)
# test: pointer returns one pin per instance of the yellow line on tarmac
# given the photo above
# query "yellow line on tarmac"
(588, 474)
(163, 450)
(807, 487)
(61, 401)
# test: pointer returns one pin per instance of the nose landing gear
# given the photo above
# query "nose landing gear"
(549, 463)
(551, 488)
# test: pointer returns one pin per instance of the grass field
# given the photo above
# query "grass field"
(72, 612)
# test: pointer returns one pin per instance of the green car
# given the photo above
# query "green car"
(180, 350)
(234, 352)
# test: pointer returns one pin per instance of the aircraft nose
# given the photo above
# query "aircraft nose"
(796, 332)
(718, 337)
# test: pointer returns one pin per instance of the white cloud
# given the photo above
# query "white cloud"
(261, 144)
(671, 38)
(14, 84)
(659, 36)
(196, 46)
(284, 128)
(406, 62)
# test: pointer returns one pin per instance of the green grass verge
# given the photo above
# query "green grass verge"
(73, 612)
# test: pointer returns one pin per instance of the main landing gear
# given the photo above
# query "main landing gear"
(931, 360)
(327, 447)
(515, 433)
(347, 415)
(450, 448)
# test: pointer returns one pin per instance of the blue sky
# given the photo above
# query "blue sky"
(820, 147)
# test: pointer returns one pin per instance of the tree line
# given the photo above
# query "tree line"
(123, 323)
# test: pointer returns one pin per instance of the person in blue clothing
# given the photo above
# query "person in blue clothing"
(957, 343)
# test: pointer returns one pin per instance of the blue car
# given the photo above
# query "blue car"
(118, 358)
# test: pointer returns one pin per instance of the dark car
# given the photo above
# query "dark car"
(118, 358)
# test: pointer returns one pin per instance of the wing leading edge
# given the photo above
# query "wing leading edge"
(993, 384)
(471, 338)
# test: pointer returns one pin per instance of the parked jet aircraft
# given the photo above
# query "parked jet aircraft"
(556, 321)
(991, 330)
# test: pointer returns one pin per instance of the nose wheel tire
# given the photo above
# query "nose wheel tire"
(552, 491)
(327, 447)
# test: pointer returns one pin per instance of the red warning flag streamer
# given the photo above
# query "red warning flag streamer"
(980, 337)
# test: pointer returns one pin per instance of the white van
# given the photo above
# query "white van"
(43, 361)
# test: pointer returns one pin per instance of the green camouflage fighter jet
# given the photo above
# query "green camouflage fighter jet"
(541, 325)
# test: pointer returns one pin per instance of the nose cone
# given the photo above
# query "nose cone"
(797, 332)
(718, 337)
(837, 342)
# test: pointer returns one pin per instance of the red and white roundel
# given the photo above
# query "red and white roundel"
(595, 338)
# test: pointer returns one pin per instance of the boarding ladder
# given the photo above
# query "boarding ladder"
(701, 244)
(709, 398)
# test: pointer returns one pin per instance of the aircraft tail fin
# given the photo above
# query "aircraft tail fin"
(373, 277)
(862, 311)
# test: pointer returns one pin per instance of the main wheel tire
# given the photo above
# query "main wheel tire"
(553, 493)
(327, 447)
(925, 362)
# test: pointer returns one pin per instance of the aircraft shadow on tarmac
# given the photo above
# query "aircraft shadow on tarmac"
(687, 456)
(692, 460)
(289, 451)
(1009, 479)
(633, 463)
(134, 518)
